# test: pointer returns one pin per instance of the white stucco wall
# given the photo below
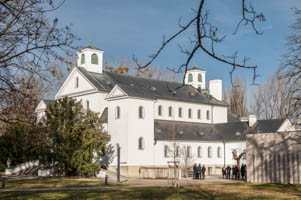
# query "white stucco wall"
(219, 112)
(69, 88)
(97, 102)
(127, 130)
(204, 160)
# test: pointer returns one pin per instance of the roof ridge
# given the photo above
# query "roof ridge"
(139, 77)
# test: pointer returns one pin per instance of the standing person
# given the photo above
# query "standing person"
(224, 172)
(203, 172)
(237, 175)
(195, 171)
(233, 172)
(199, 171)
(243, 172)
(228, 172)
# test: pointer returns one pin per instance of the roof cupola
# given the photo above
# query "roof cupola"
(196, 77)
(91, 59)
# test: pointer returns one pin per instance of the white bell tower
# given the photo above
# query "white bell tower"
(91, 59)
(196, 77)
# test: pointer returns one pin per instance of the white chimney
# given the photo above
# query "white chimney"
(91, 59)
(252, 120)
(215, 89)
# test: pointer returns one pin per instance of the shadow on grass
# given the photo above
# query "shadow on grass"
(188, 193)
(52, 183)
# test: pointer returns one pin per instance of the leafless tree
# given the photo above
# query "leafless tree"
(291, 64)
(236, 97)
(274, 99)
(186, 159)
(206, 37)
(125, 66)
(29, 41)
(20, 106)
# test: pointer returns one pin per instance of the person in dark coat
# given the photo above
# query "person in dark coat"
(195, 171)
(233, 172)
(237, 175)
(243, 171)
(224, 172)
(199, 171)
(203, 171)
(228, 172)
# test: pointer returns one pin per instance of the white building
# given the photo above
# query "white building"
(146, 116)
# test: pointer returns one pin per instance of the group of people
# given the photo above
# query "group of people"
(199, 171)
(236, 172)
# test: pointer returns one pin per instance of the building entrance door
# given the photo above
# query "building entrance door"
(209, 171)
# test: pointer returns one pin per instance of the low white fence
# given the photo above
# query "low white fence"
(22, 167)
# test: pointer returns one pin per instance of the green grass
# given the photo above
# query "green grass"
(209, 191)
(52, 183)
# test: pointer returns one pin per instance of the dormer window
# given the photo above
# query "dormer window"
(190, 79)
(200, 77)
(94, 59)
(82, 60)
(76, 82)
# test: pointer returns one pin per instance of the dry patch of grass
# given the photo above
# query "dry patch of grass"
(203, 191)
(52, 183)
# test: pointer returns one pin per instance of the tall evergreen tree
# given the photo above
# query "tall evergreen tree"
(75, 137)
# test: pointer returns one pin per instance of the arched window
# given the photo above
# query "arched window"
(117, 112)
(141, 112)
(219, 152)
(189, 152)
(200, 77)
(141, 143)
(190, 79)
(170, 111)
(189, 113)
(178, 151)
(166, 151)
(209, 152)
(199, 152)
(88, 104)
(208, 114)
(94, 59)
(160, 110)
(180, 112)
(82, 60)
(199, 114)
(76, 82)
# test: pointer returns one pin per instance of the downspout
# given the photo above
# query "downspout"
(212, 114)
(155, 141)
(224, 142)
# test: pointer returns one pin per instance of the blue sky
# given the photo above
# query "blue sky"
(135, 27)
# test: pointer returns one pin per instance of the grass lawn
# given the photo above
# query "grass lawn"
(210, 191)
(52, 183)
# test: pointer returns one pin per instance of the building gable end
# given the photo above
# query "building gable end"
(41, 106)
(76, 82)
(116, 92)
